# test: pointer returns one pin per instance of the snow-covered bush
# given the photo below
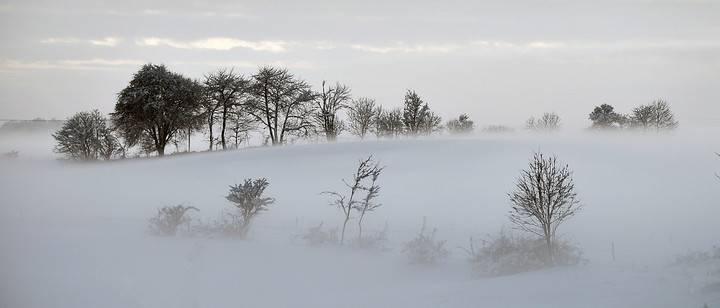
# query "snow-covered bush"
(249, 202)
(317, 236)
(424, 249)
(169, 218)
(506, 254)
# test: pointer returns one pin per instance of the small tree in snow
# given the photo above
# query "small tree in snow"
(86, 136)
(543, 198)
(367, 170)
(249, 202)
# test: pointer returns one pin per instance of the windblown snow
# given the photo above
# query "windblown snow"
(75, 235)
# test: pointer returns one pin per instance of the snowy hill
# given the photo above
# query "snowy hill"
(74, 235)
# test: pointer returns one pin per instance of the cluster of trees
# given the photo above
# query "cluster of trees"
(161, 107)
(655, 116)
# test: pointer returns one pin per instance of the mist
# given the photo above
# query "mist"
(76, 234)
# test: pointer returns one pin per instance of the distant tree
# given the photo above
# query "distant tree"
(367, 170)
(604, 117)
(240, 124)
(654, 116)
(461, 125)
(225, 91)
(86, 136)
(417, 116)
(544, 197)
(431, 124)
(249, 202)
(548, 122)
(281, 103)
(389, 123)
(497, 128)
(156, 105)
(362, 113)
(328, 103)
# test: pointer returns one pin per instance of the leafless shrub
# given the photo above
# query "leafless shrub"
(374, 242)
(169, 218)
(316, 236)
(368, 170)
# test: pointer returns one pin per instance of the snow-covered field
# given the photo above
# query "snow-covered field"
(75, 235)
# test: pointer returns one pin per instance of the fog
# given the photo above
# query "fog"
(75, 234)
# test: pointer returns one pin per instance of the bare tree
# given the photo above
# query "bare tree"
(329, 102)
(362, 114)
(225, 91)
(368, 168)
(548, 122)
(461, 125)
(654, 116)
(543, 198)
(417, 116)
(281, 103)
(249, 201)
(389, 123)
(240, 125)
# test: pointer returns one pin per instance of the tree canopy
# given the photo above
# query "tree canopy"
(156, 105)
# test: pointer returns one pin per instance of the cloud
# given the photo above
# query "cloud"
(217, 43)
(403, 48)
(106, 41)
(545, 45)
(92, 64)
(61, 40)
(250, 64)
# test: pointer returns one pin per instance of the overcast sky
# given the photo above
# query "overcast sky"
(500, 62)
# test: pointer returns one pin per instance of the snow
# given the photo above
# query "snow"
(74, 235)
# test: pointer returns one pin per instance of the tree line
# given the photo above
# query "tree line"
(160, 107)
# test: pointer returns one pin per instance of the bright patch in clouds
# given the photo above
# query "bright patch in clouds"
(92, 64)
(217, 43)
(401, 47)
(60, 40)
(108, 41)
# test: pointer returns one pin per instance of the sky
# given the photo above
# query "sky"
(500, 62)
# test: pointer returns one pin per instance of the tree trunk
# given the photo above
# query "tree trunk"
(222, 131)
(342, 235)
(360, 226)
(210, 129)
(548, 240)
